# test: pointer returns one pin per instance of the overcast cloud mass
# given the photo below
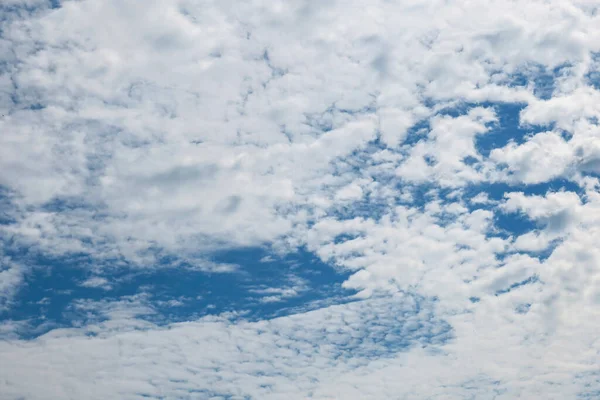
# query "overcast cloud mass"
(299, 199)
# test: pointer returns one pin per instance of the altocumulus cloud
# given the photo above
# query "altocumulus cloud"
(310, 199)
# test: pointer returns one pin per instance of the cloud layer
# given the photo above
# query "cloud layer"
(442, 157)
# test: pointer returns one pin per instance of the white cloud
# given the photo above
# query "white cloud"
(188, 127)
(97, 282)
(544, 157)
(558, 211)
(234, 131)
(295, 287)
(11, 278)
(481, 198)
(441, 158)
(564, 110)
(532, 241)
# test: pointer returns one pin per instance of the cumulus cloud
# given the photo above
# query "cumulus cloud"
(248, 126)
(354, 131)
(544, 157)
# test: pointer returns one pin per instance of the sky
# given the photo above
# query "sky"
(300, 199)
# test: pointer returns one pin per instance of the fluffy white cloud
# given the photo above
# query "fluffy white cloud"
(442, 158)
(544, 157)
(132, 131)
(207, 121)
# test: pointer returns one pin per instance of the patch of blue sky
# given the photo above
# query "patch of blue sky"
(261, 269)
(540, 78)
(523, 308)
(508, 127)
(545, 82)
(474, 388)
(531, 280)
(25, 101)
(497, 190)
(593, 76)
(52, 288)
(345, 237)
(593, 79)
(416, 133)
(36, 106)
(507, 130)
(512, 224)
(64, 204)
(423, 193)
(507, 224)
(5, 66)
(265, 285)
(7, 207)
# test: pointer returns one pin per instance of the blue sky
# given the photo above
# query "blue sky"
(325, 200)
(264, 286)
